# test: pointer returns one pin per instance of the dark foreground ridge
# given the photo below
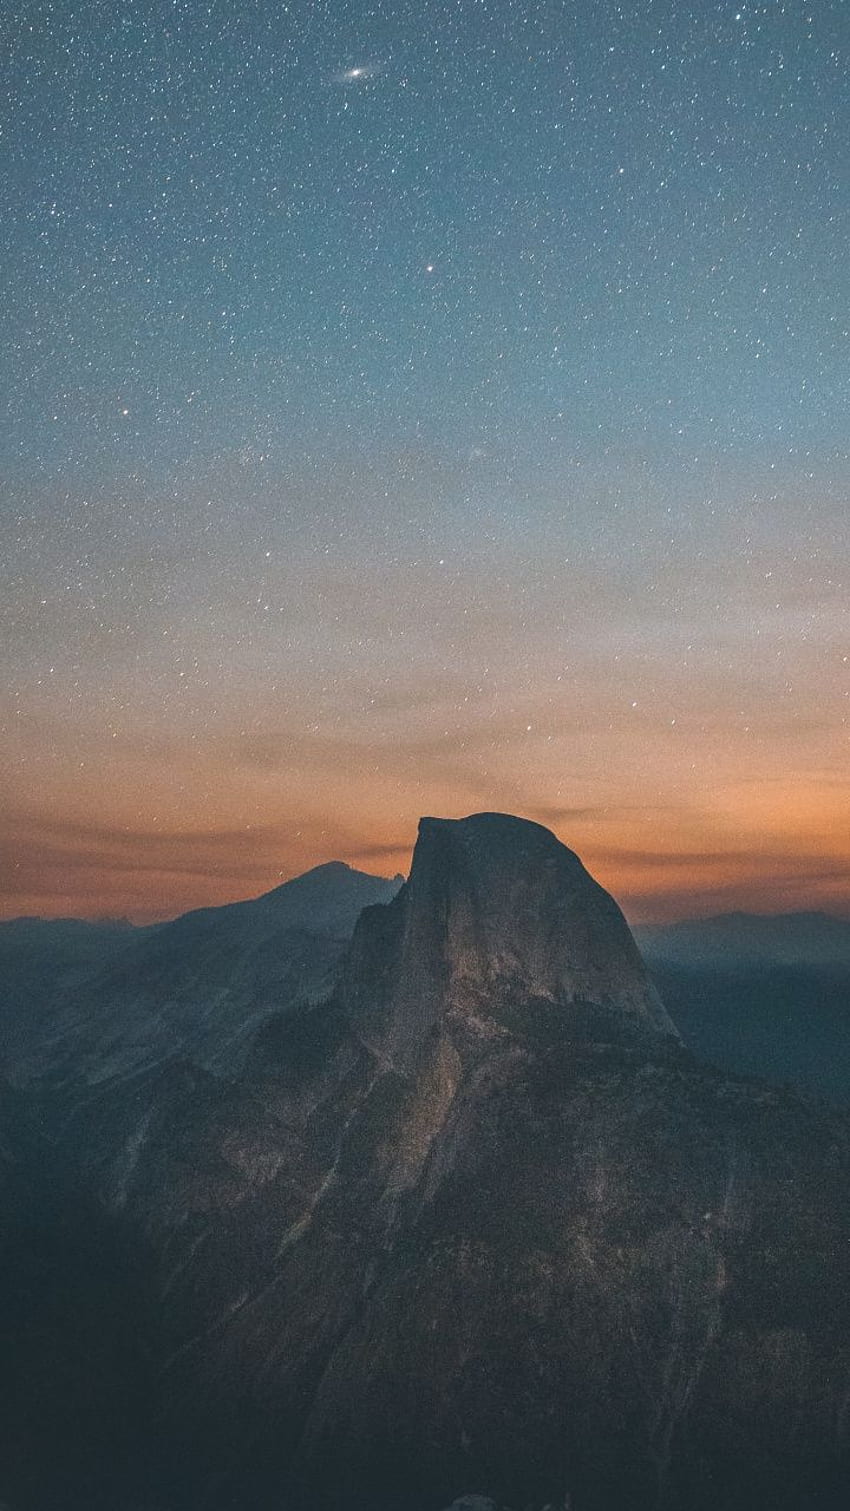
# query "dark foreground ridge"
(455, 1214)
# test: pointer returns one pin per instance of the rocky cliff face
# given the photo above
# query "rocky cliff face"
(498, 920)
(476, 1223)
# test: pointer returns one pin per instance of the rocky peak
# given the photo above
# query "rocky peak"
(498, 914)
(329, 898)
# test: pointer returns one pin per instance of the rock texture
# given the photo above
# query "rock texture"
(498, 920)
(476, 1225)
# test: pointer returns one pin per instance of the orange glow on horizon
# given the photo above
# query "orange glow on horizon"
(769, 849)
(687, 784)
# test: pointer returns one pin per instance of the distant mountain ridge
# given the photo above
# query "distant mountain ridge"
(764, 995)
(326, 894)
(202, 981)
(811, 938)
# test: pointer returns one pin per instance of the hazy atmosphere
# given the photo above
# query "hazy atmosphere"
(423, 409)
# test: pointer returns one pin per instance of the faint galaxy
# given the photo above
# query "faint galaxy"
(423, 408)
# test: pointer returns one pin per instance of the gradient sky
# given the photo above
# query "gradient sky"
(423, 408)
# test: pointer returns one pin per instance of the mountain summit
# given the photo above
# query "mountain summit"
(498, 922)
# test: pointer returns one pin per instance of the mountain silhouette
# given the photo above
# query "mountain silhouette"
(464, 1218)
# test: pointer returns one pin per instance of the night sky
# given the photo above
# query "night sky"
(423, 408)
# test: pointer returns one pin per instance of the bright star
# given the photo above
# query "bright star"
(359, 72)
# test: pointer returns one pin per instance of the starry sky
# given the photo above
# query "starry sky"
(423, 408)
